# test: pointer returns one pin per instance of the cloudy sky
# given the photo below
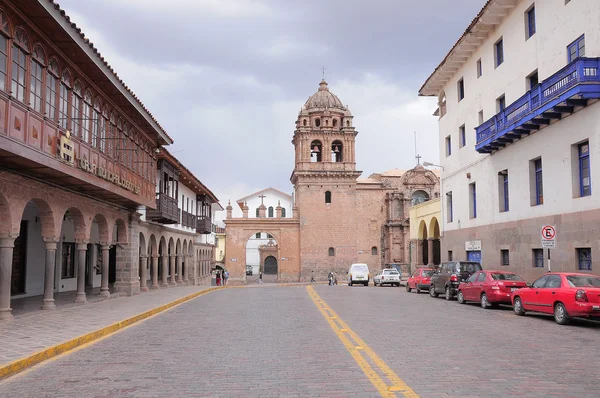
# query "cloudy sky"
(226, 78)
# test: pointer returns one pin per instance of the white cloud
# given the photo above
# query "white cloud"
(220, 8)
(282, 46)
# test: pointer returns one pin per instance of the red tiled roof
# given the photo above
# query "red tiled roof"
(91, 45)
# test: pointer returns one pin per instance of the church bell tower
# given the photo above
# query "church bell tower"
(324, 180)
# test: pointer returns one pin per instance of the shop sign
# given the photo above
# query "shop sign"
(473, 245)
(103, 173)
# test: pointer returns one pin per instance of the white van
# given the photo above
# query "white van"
(359, 273)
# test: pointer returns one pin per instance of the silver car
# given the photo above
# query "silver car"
(387, 277)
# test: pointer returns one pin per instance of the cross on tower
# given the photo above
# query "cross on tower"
(262, 198)
(418, 157)
(323, 70)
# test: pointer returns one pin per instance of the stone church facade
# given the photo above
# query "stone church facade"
(337, 218)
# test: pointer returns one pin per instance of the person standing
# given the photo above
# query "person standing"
(225, 277)
(330, 277)
(260, 277)
(312, 277)
(218, 278)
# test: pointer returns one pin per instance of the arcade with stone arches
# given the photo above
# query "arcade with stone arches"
(428, 251)
(262, 253)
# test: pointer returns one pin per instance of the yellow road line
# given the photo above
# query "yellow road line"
(20, 365)
(355, 347)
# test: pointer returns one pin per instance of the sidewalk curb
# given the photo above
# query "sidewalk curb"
(20, 365)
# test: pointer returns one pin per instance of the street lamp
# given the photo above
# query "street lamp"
(429, 164)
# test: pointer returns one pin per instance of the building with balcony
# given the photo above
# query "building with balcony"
(177, 234)
(517, 107)
(79, 165)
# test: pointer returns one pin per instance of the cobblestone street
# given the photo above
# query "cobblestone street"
(274, 341)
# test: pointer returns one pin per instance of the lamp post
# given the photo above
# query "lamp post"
(429, 164)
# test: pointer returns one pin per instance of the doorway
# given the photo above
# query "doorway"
(270, 266)
(19, 265)
(112, 264)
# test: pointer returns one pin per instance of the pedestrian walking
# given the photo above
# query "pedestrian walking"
(330, 278)
(218, 278)
(225, 277)
(312, 277)
(260, 277)
(335, 278)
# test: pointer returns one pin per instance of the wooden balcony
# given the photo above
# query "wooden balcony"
(203, 225)
(563, 93)
(166, 211)
(188, 219)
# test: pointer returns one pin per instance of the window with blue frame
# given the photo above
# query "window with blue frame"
(448, 146)
(479, 68)
(503, 180)
(501, 103)
(461, 89)
(499, 52)
(576, 49)
(538, 258)
(584, 259)
(473, 199)
(462, 134)
(539, 185)
(585, 184)
(531, 22)
(449, 206)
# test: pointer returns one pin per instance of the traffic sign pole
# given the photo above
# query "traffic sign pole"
(549, 266)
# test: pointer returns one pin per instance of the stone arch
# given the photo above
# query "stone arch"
(6, 227)
(422, 230)
(316, 151)
(178, 246)
(153, 247)
(374, 251)
(270, 265)
(46, 216)
(419, 196)
(171, 245)
(184, 246)
(102, 223)
(162, 245)
(434, 228)
(119, 231)
(78, 222)
(143, 249)
(190, 249)
(337, 149)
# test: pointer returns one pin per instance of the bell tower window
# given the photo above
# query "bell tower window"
(347, 123)
(334, 122)
(328, 197)
(316, 151)
(318, 122)
(304, 122)
(336, 151)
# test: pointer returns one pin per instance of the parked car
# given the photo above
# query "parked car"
(420, 280)
(490, 288)
(359, 273)
(449, 275)
(387, 277)
(564, 294)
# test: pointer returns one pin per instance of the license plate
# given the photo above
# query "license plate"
(596, 307)
(359, 277)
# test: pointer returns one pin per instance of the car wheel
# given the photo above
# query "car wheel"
(367, 284)
(408, 289)
(448, 295)
(398, 284)
(461, 298)
(432, 292)
(417, 290)
(560, 314)
(485, 304)
(518, 307)
(349, 283)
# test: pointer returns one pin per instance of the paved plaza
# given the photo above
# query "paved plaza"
(275, 341)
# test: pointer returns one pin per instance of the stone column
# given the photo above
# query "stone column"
(143, 276)
(180, 269)
(6, 260)
(81, 251)
(165, 271)
(186, 270)
(154, 271)
(430, 252)
(105, 263)
(48, 300)
(172, 267)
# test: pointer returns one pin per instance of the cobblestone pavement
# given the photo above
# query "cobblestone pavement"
(273, 341)
(34, 331)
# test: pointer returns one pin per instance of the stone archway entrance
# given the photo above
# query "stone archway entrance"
(270, 266)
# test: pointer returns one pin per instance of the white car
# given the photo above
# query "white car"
(359, 273)
(387, 277)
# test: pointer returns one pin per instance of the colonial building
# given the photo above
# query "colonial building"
(519, 130)
(425, 233)
(78, 166)
(337, 218)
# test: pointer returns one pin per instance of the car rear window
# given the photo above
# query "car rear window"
(583, 281)
(506, 277)
(360, 268)
(391, 272)
(468, 267)
(427, 273)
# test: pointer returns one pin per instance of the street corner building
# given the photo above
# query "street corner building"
(518, 132)
(91, 203)
(334, 218)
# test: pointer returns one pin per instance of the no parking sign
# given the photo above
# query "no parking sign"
(548, 235)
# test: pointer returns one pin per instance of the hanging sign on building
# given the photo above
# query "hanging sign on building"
(103, 173)
(548, 235)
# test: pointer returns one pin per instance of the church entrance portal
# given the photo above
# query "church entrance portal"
(261, 258)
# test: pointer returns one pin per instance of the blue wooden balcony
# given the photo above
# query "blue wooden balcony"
(563, 93)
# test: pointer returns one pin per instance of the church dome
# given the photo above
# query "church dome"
(323, 98)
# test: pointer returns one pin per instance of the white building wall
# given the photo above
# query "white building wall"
(273, 198)
(557, 25)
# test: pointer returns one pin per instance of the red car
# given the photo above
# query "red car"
(564, 294)
(419, 280)
(490, 288)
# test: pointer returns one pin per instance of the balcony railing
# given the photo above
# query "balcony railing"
(166, 211)
(203, 225)
(558, 96)
(188, 219)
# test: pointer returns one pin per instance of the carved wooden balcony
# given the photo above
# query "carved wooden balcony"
(188, 219)
(166, 211)
(203, 225)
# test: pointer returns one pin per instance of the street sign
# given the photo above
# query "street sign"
(548, 235)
